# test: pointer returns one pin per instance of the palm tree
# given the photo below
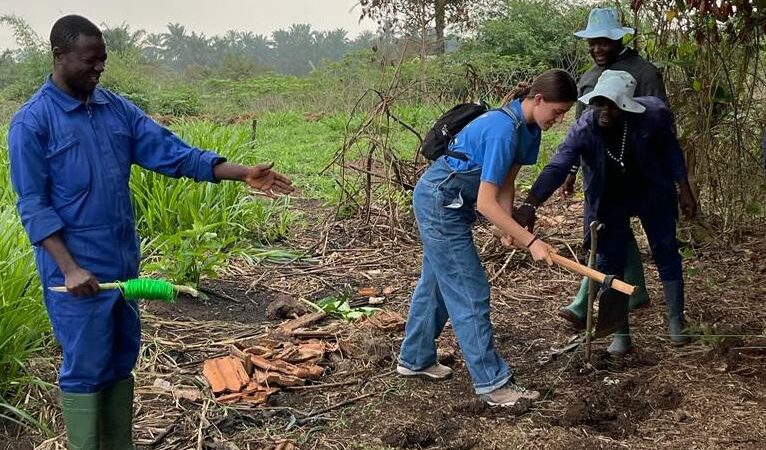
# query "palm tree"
(153, 47)
(174, 44)
(120, 39)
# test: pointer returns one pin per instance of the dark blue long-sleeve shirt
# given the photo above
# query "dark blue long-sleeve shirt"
(658, 155)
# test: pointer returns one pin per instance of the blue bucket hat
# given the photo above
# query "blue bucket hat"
(604, 23)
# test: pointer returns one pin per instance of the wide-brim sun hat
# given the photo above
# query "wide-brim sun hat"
(618, 86)
(604, 23)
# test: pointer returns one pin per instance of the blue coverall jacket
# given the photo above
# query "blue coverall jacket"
(660, 161)
(70, 165)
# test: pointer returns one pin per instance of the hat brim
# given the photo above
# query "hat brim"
(614, 34)
(627, 104)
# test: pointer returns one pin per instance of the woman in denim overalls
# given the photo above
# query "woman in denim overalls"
(453, 284)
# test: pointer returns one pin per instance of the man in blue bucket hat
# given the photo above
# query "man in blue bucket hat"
(604, 33)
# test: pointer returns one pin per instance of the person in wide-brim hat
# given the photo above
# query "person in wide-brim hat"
(633, 166)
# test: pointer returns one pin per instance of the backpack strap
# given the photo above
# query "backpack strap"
(512, 114)
(507, 110)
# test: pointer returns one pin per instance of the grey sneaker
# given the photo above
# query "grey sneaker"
(509, 395)
(434, 372)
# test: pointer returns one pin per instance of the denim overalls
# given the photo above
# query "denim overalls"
(453, 283)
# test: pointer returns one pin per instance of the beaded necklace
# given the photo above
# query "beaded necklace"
(621, 158)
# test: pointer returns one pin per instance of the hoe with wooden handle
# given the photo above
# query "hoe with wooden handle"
(613, 307)
(585, 271)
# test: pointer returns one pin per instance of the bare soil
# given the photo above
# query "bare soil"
(708, 395)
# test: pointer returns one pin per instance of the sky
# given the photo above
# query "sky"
(206, 16)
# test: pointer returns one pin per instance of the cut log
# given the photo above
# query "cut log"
(229, 398)
(287, 328)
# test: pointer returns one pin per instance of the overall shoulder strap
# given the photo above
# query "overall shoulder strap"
(512, 114)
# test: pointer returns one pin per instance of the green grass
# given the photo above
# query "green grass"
(23, 323)
(191, 229)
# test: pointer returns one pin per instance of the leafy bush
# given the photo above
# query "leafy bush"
(178, 102)
(126, 74)
(537, 32)
(26, 74)
(190, 228)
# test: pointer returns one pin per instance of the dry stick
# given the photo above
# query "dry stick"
(340, 383)
(335, 406)
(158, 438)
(323, 386)
(507, 261)
(202, 419)
(594, 227)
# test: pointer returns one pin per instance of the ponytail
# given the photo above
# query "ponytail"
(521, 90)
(555, 85)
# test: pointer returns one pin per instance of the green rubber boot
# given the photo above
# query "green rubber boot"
(634, 274)
(576, 312)
(117, 421)
(81, 417)
(674, 305)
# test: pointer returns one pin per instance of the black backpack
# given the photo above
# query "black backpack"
(438, 138)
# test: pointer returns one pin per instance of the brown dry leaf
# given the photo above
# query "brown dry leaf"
(229, 398)
(349, 349)
(260, 351)
(269, 343)
(368, 292)
(312, 351)
(385, 320)
(311, 372)
(268, 378)
(259, 398)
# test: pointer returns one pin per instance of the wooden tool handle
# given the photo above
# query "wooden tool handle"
(593, 274)
(101, 286)
(585, 271)
(104, 286)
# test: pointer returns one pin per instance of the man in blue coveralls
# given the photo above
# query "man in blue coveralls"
(632, 166)
(71, 148)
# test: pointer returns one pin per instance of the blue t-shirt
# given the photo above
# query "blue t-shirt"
(495, 141)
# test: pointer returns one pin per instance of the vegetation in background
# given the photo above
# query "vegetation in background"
(23, 323)
(294, 96)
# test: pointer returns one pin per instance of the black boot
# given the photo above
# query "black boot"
(674, 305)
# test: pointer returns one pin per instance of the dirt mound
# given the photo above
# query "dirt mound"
(616, 407)
(437, 431)
(285, 307)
